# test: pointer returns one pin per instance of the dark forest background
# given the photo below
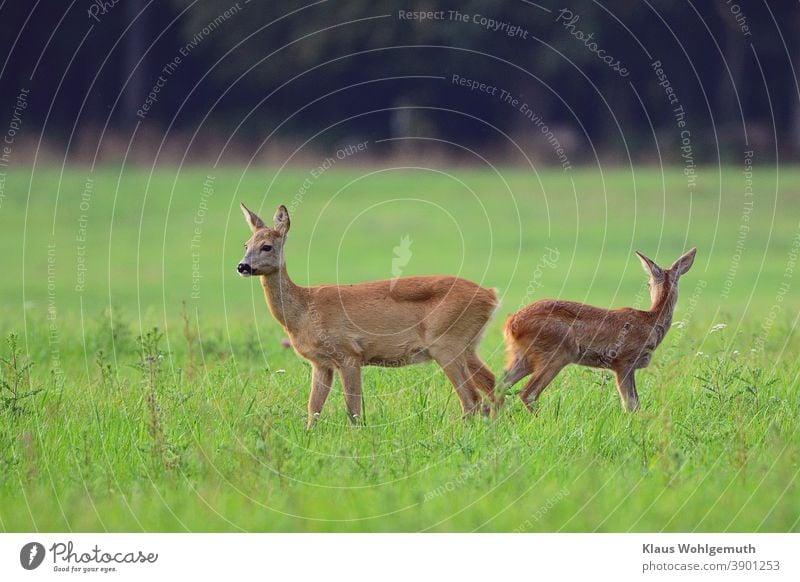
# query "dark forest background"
(293, 71)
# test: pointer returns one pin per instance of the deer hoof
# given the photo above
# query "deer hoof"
(312, 420)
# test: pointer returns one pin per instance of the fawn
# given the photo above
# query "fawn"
(547, 335)
(388, 323)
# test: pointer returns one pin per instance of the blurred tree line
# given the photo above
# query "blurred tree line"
(342, 68)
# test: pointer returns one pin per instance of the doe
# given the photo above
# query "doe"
(388, 323)
(547, 335)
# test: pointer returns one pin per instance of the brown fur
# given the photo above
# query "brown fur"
(546, 336)
(386, 323)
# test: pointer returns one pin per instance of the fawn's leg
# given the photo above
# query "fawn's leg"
(321, 381)
(517, 372)
(541, 379)
(351, 383)
(483, 379)
(626, 385)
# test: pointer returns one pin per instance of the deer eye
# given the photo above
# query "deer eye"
(266, 248)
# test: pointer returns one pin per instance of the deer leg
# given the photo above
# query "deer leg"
(321, 381)
(458, 373)
(483, 379)
(517, 372)
(626, 385)
(541, 379)
(351, 382)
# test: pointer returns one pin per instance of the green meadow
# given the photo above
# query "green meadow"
(145, 386)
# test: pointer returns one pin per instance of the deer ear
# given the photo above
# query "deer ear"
(252, 218)
(682, 265)
(650, 266)
(281, 220)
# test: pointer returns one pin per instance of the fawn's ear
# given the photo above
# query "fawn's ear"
(281, 220)
(252, 218)
(682, 265)
(650, 266)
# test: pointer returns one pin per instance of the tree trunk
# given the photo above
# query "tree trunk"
(134, 44)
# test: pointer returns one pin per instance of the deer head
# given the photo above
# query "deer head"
(664, 282)
(264, 251)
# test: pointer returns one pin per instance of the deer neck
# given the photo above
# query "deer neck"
(663, 308)
(285, 299)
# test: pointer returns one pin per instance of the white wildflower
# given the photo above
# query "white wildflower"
(679, 324)
(718, 327)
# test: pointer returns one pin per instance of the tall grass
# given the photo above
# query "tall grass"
(138, 407)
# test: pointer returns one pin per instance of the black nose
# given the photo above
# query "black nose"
(244, 268)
